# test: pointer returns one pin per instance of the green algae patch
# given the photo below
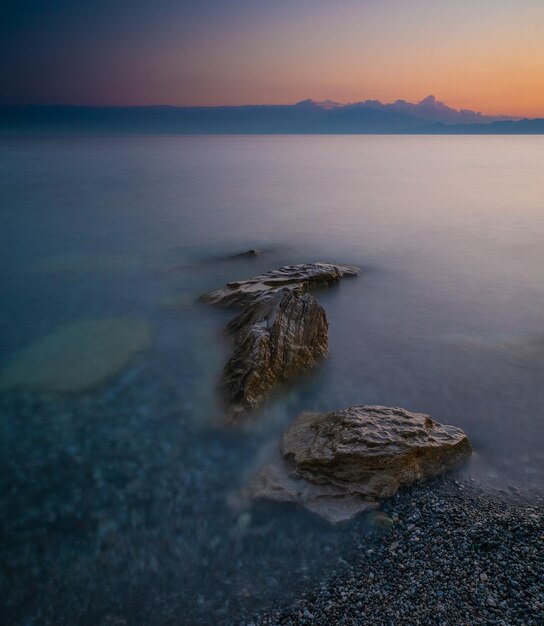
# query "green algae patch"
(77, 357)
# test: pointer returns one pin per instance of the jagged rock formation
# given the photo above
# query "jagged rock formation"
(275, 339)
(280, 333)
(301, 277)
(338, 464)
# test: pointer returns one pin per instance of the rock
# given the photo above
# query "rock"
(248, 254)
(281, 332)
(77, 357)
(372, 449)
(297, 277)
(275, 339)
(279, 481)
(191, 265)
(341, 463)
(379, 519)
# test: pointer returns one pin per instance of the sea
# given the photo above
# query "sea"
(119, 502)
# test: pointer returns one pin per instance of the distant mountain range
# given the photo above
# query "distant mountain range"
(432, 109)
(429, 116)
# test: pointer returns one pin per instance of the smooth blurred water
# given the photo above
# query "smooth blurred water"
(447, 317)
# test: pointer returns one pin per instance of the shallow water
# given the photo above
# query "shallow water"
(128, 483)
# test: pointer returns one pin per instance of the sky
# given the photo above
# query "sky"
(486, 55)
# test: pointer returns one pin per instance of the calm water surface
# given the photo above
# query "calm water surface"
(125, 488)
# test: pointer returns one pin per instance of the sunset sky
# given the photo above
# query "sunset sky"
(486, 55)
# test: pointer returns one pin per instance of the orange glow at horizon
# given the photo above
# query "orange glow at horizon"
(488, 57)
(484, 55)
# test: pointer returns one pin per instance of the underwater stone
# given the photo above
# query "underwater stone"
(77, 357)
(279, 481)
(248, 254)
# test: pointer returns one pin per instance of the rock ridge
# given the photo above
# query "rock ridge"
(304, 276)
(274, 339)
(281, 332)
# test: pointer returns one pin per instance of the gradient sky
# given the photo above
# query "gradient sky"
(486, 55)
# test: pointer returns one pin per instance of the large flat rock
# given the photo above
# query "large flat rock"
(301, 277)
(374, 448)
(334, 463)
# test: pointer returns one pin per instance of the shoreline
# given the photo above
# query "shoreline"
(90, 538)
(456, 555)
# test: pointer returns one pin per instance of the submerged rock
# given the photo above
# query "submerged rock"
(275, 339)
(301, 277)
(248, 254)
(353, 457)
(279, 481)
(77, 357)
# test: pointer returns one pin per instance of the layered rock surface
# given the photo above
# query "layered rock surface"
(275, 339)
(281, 332)
(302, 277)
(279, 481)
(338, 463)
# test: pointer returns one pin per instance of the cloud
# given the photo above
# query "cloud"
(432, 109)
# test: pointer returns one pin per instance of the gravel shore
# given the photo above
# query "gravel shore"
(445, 554)
(114, 512)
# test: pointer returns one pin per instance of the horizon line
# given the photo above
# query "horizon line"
(319, 103)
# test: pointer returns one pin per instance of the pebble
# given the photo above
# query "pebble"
(453, 543)
(122, 520)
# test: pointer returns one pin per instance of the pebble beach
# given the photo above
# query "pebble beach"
(445, 555)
